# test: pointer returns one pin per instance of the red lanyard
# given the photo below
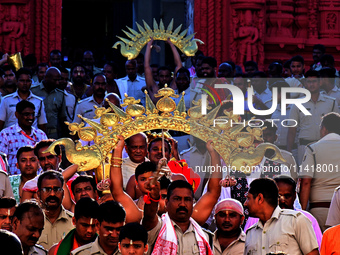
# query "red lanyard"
(27, 136)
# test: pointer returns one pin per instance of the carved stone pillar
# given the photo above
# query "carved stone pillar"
(301, 19)
(30, 26)
(247, 31)
(280, 18)
(329, 19)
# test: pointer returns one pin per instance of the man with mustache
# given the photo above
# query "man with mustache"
(111, 218)
(7, 209)
(10, 82)
(229, 237)
(28, 223)
(86, 107)
(277, 229)
(58, 221)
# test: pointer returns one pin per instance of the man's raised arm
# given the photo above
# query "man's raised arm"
(133, 213)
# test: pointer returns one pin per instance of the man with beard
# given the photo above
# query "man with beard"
(56, 111)
(55, 58)
(86, 107)
(58, 221)
(318, 51)
(47, 162)
(208, 67)
(277, 229)
(111, 218)
(7, 209)
(8, 103)
(85, 215)
(79, 88)
(10, 83)
(28, 223)
(229, 237)
(88, 58)
(287, 196)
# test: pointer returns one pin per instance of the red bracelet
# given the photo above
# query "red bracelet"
(147, 199)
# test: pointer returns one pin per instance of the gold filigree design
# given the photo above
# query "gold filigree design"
(131, 48)
(237, 147)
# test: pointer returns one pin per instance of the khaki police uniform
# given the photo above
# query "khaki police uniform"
(55, 108)
(8, 108)
(53, 233)
(333, 217)
(187, 243)
(322, 164)
(287, 230)
(235, 248)
(37, 250)
(335, 93)
(86, 108)
(5, 185)
(92, 248)
(309, 125)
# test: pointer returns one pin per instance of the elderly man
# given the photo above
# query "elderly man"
(277, 229)
(229, 237)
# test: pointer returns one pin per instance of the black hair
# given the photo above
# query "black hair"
(98, 74)
(127, 140)
(46, 143)
(23, 70)
(183, 70)
(143, 168)
(270, 126)
(164, 68)
(287, 64)
(112, 212)
(30, 60)
(50, 175)
(22, 105)
(320, 47)
(23, 149)
(159, 139)
(312, 73)
(179, 184)
(268, 188)
(279, 85)
(331, 121)
(297, 58)
(10, 243)
(258, 73)
(154, 65)
(113, 65)
(55, 52)
(210, 61)
(327, 58)
(230, 63)
(86, 207)
(2, 72)
(28, 206)
(164, 182)
(7, 202)
(277, 65)
(286, 179)
(8, 68)
(133, 231)
(327, 72)
(82, 179)
(251, 63)
(63, 70)
(77, 64)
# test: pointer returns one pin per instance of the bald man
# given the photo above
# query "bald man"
(56, 111)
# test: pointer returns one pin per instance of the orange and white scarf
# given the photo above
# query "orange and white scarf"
(166, 242)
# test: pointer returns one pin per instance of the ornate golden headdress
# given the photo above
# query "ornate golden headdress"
(131, 48)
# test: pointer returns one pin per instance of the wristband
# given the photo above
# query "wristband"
(147, 199)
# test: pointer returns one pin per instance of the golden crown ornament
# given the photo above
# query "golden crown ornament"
(131, 48)
(235, 146)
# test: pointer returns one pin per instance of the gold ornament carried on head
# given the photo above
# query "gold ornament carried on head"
(131, 48)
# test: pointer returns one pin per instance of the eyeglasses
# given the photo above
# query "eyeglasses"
(49, 189)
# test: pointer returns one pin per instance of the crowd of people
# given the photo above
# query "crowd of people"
(47, 207)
